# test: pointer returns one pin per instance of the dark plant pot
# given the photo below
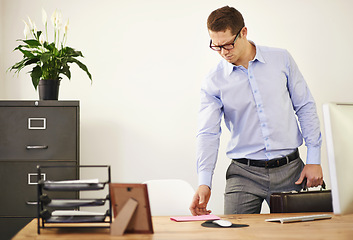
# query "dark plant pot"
(48, 89)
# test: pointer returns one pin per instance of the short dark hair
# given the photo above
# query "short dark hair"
(225, 18)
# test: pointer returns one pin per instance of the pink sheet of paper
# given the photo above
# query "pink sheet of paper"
(195, 218)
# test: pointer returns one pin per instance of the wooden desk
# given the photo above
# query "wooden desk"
(339, 227)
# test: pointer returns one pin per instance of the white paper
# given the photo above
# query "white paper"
(58, 213)
(76, 181)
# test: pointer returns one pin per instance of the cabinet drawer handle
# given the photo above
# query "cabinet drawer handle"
(31, 203)
(33, 178)
(36, 147)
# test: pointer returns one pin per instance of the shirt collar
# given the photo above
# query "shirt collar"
(258, 55)
(229, 67)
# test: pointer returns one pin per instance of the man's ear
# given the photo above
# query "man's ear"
(244, 32)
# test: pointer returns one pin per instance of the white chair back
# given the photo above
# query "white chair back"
(169, 197)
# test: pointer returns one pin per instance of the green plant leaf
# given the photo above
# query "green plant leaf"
(70, 52)
(81, 65)
(50, 46)
(45, 57)
(18, 64)
(33, 43)
(38, 34)
(19, 47)
(31, 61)
(66, 71)
(36, 74)
(26, 53)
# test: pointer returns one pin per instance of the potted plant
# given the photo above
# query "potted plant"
(50, 60)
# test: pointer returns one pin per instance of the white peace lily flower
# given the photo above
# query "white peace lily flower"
(53, 18)
(30, 23)
(34, 28)
(41, 39)
(67, 26)
(56, 19)
(59, 20)
(44, 17)
(27, 30)
(45, 22)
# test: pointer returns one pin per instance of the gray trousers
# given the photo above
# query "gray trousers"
(247, 186)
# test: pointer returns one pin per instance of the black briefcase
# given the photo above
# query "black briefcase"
(304, 201)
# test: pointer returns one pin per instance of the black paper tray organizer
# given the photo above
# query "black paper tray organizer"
(74, 185)
(65, 203)
(67, 216)
(52, 210)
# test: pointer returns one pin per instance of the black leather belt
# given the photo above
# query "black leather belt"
(273, 163)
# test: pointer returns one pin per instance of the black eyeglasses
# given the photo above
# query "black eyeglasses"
(228, 46)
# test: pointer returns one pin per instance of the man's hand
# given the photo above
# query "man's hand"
(313, 174)
(200, 200)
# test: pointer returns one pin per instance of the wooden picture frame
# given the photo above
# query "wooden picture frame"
(131, 208)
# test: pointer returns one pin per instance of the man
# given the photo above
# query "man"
(259, 91)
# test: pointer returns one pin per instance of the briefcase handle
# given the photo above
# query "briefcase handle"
(323, 186)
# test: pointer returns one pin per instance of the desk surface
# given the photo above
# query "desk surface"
(339, 227)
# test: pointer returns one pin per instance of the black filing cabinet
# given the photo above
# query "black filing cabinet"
(34, 133)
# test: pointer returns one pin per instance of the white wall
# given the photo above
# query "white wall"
(148, 59)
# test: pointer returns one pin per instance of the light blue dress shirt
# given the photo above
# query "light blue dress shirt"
(261, 107)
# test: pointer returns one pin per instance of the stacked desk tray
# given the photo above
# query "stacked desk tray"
(51, 210)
